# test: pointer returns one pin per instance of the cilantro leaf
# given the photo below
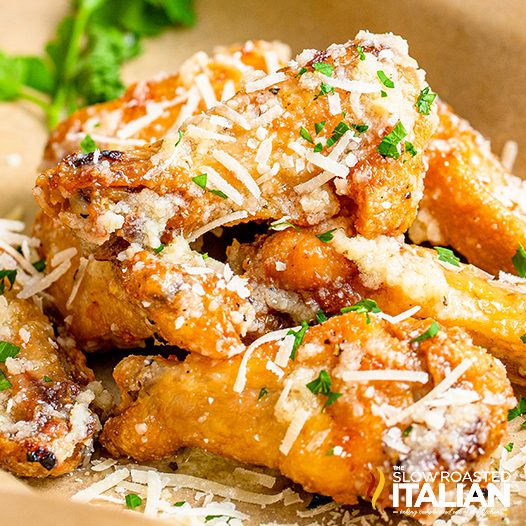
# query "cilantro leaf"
(40, 265)
(431, 332)
(389, 145)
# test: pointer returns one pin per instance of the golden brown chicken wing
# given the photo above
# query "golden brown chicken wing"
(46, 425)
(360, 396)
(471, 202)
(153, 109)
(293, 143)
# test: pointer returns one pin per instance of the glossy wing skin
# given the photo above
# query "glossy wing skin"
(338, 446)
(46, 425)
(152, 109)
(148, 194)
(471, 202)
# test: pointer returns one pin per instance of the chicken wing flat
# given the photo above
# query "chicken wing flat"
(151, 110)
(360, 396)
(175, 296)
(284, 145)
(46, 426)
(471, 202)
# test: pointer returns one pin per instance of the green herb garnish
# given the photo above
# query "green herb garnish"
(133, 500)
(200, 180)
(407, 430)
(306, 135)
(523, 338)
(318, 147)
(7, 350)
(4, 382)
(179, 503)
(262, 393)
(519, 410)
(220, 194)
(10, 275)
(159, 249)
(319, 126)
(337, 133)
(509, 447)
(383, 94)
(431, 332)
(301, 72)
(448, 256)
(361, 54)
(321, 316)
(88, 145)
(389, 145)
(364, 306)
(519, 261)
(386, 81)
(322, 385)
(298, 338)
(325, 89)
(360, 128)
(326, 236)
(40, 265)
(324, 68)
(409, 148)
(180, 133)
(47, 379)
(424, 101)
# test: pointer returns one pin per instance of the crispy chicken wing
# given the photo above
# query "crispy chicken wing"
(151, 110)
(471, 202)
(270, 151)
(343, 407)
(46, 426)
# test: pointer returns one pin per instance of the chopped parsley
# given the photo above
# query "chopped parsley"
(406, 431)
(448, 256)
(360, 128)
(88, 145)
(301, 72)
(364, 306)
(262, 393)
(7, 350)
(47, 379)
(204, 255)
(409, 148)
(509, 447)
(180, 133)
(324, 68)
(159, 249)
(361, 54)
(213, 517)
(319, 126)
(321, 316)
(326, 236)
(523, 338)
(180, 503)
(424, 101)
(298, 338)
(325, 89)
(306, 135)
(40, 265)
(389, 145)
(386, 81)
(519, 261)
(4, 382)
(133, 500)
(318, 147)
(10, 275)
(517, 411)
(383, 94)
(337, 133)
(318, 500)
(322, 385)
(200, 180)
(431, 332)
(220, 194)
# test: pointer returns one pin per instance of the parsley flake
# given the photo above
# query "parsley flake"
(409, 148)
(40, 265)
(200, 180)
(262, 393)
(298, 338)
(447, 256)
(220, 194)
(360, 128)
(325, 89)
(509, 447)
(10, 275)
(4, 382)
(383, 94)
(204, 255)
(179, 503)
(523, 338)
(88, 145)
(517, 411)
(337, 133)
(519, 261)
(424, 101)
(319, 126)
(322, 385)
(306, 135)
(324, 68)
(47, 379)
(159, 249)
(326, 236)
(7, 350)
(321, 316)
(386, 81)
(180, 133)
(301, 72)
(389, 145)
(361, 54)
(133, 501)
(318, 147)
(364, 306)
(431, 332)
(407, 430)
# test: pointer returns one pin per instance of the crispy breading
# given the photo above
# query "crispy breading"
(259, 160)
(150, 110)
(359, 432)
(471, 202)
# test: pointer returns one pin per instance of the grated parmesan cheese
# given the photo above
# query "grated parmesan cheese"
(385, 375)
(239, 171)
(265, 82)
(293, 431)
(229, 218)
(206, 90)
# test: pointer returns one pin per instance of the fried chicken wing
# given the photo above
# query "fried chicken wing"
(46, 425)
(273, 150)
(332, 417)
(471, 202)
(151, 110)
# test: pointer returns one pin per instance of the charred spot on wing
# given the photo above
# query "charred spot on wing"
(44, 457)
(84, 159)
